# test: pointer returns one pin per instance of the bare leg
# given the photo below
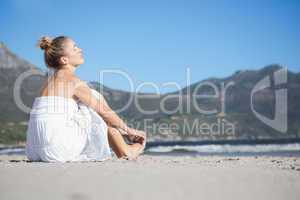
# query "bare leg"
(120, 147)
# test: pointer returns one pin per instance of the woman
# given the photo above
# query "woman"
(70, 121)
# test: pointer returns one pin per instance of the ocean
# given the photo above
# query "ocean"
(266, 147)
(261, 147)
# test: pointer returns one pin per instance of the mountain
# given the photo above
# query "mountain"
(176, 112)
(11, 67)
(238, 104)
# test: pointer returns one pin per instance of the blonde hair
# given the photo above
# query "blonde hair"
(53, 50)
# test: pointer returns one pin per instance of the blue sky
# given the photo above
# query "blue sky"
(155, 41)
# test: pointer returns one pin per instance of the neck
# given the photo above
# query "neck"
(68, 68)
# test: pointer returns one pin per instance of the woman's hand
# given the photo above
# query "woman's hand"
(136, 135)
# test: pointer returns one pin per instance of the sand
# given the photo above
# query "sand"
(153, 177)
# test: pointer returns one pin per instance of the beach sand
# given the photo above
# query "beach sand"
(153, 177)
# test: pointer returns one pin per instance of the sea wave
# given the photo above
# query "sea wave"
(10, 151)
(226, 148)
(201, 149)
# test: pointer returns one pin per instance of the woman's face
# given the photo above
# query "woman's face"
(73, 54)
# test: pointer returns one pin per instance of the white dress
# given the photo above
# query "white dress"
(61, 129)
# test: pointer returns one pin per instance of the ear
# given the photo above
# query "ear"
(64, 60)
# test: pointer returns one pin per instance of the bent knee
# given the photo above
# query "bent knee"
(113, 132)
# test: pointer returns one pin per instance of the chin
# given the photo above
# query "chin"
(80, 62)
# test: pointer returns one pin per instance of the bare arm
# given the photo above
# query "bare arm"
(84, 94)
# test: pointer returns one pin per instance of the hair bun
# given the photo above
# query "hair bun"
(45, 42)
